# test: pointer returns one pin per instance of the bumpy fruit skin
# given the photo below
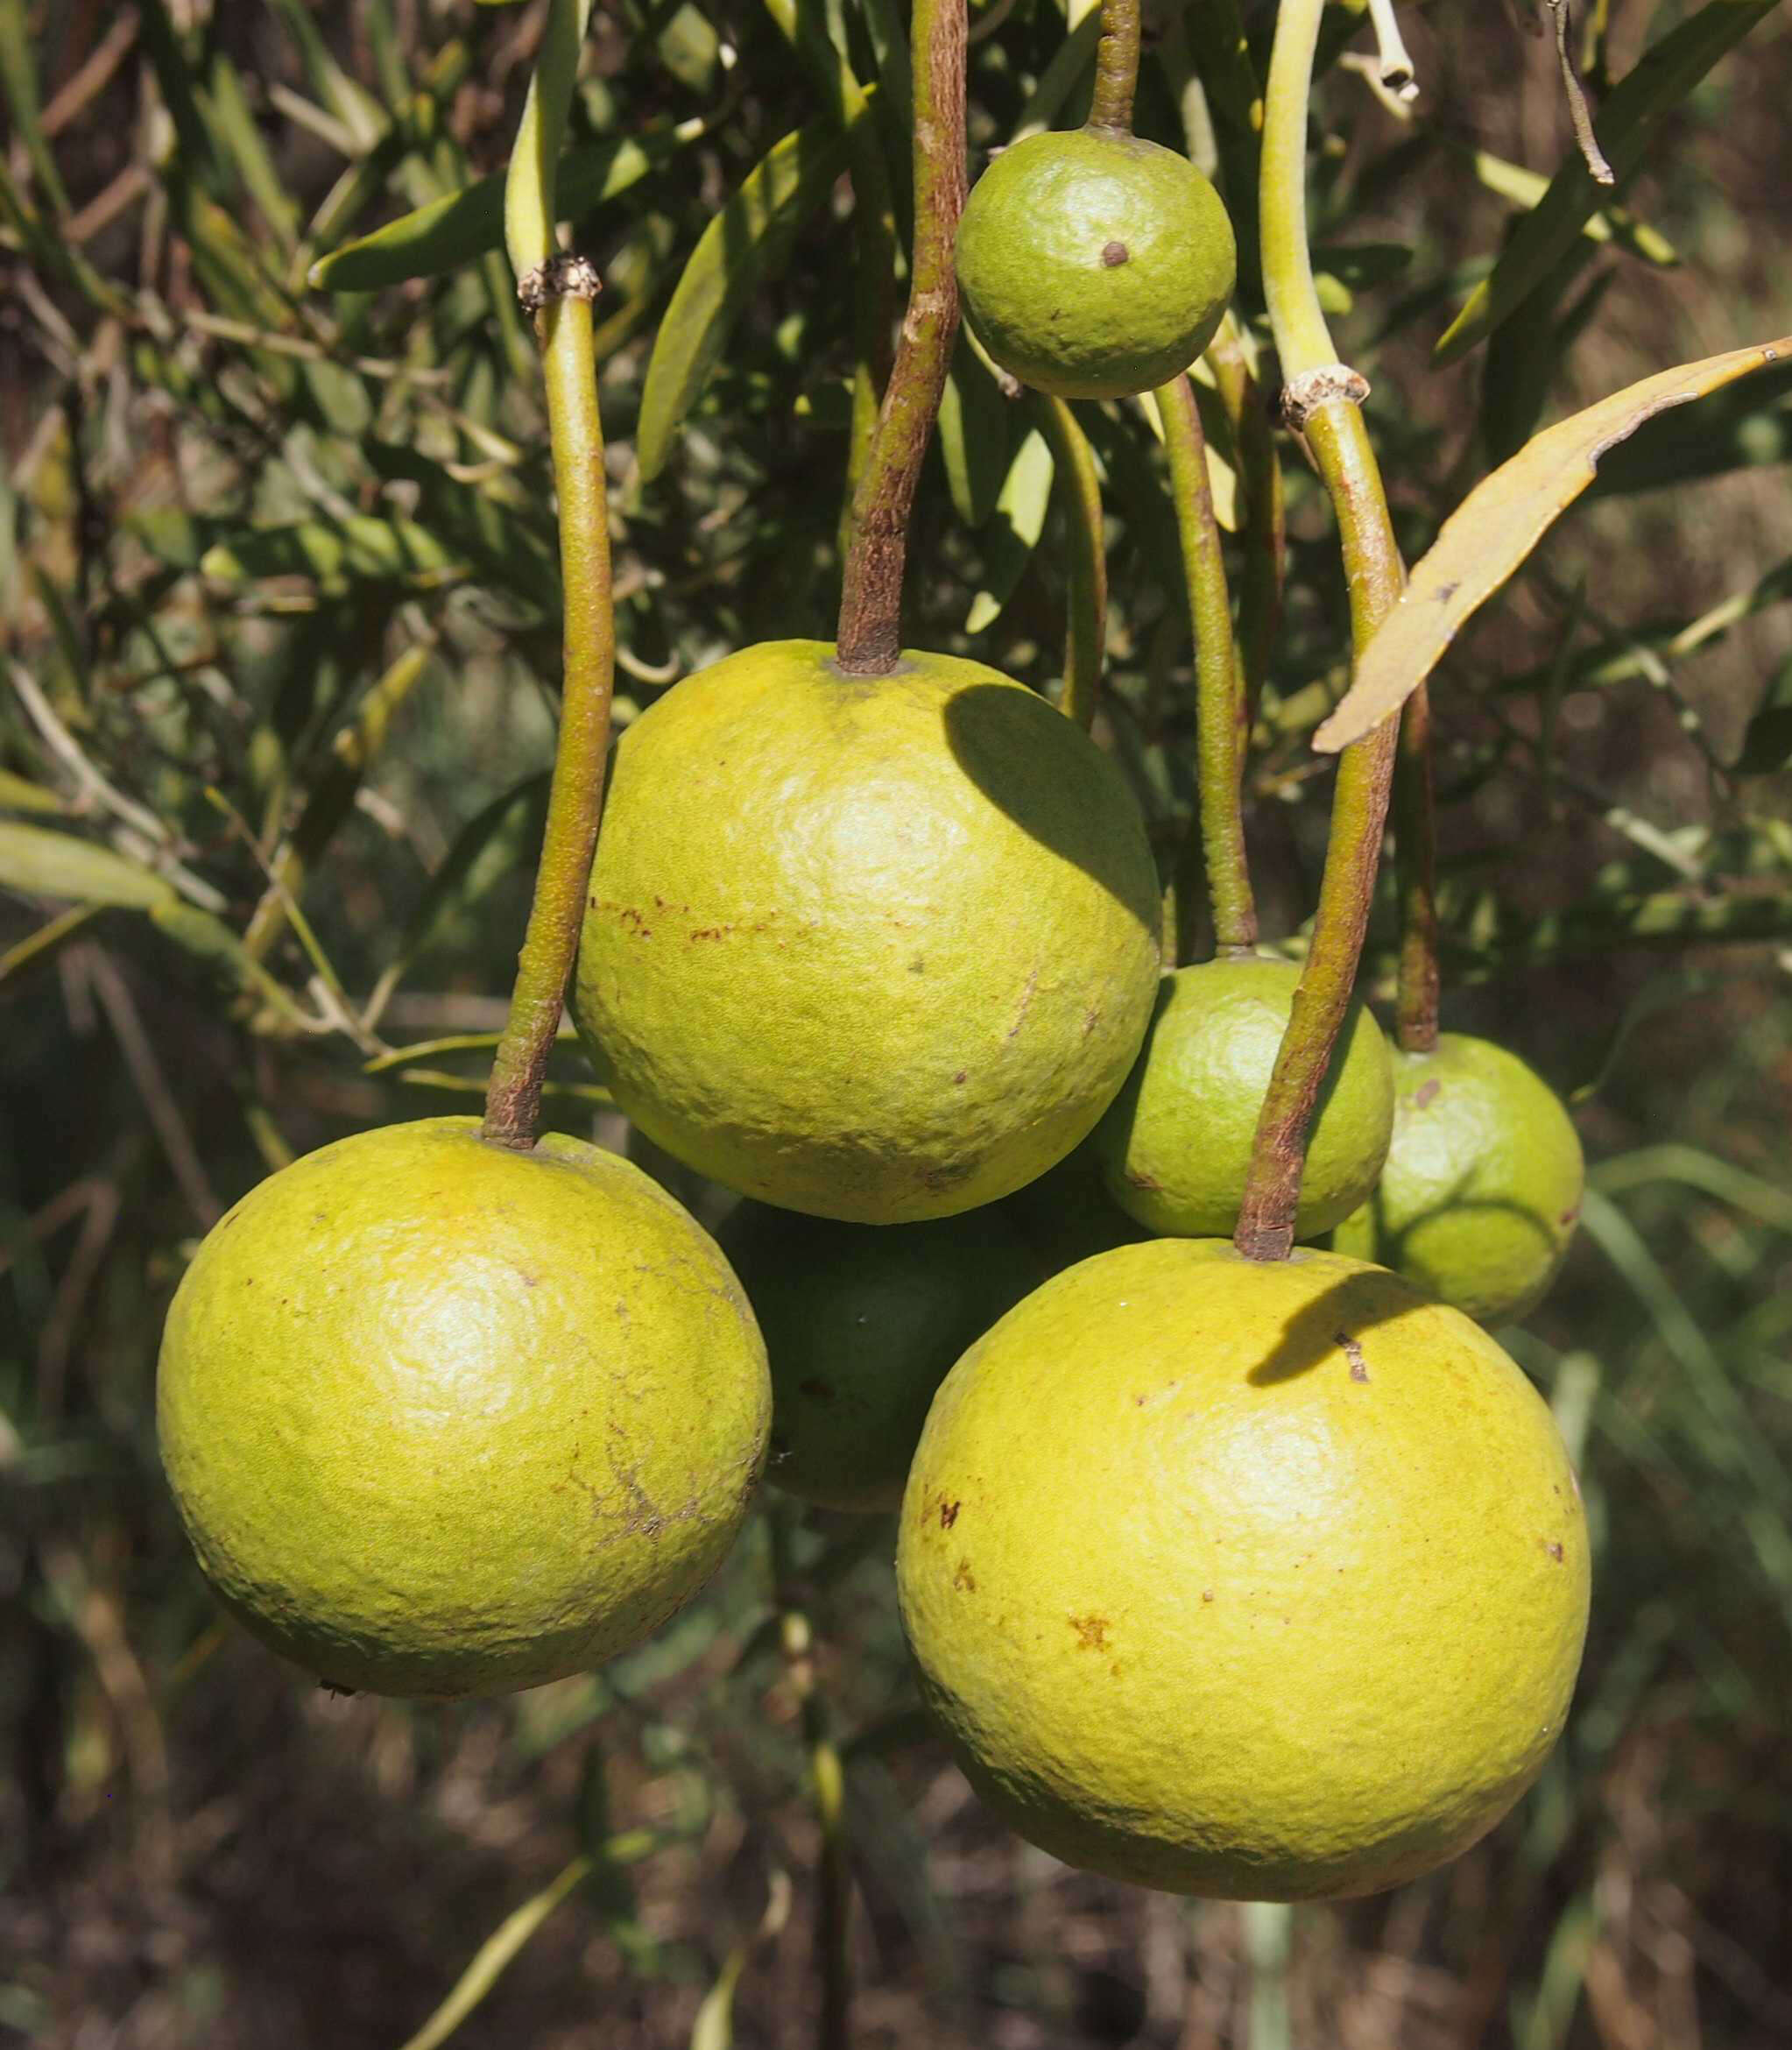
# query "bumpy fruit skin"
(862, 1325)
(1481, 1192)
(878, 951)
(1175, 1146)
(1094, 265)
(1284, 1602)
(443, 1420)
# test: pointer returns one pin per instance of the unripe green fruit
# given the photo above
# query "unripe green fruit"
(1068, 1215)
(1175, 1146)
(1261, 1581)
(444, 1419)
(861, 1325)
(879, 949)
(1482, 1187)
(1093, 265)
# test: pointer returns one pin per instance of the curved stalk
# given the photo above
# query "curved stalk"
(1085, 637)
(1219, 725)
(869, 635)
(560, 290)
(1320, 396)
(1116, 67)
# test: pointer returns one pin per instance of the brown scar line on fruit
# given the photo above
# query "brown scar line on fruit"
(1425, 1092)
(1091, 1632)
(949, 1513)
(1114, 254)
(1353, 1353)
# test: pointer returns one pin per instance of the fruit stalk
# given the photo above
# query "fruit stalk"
(1116, 67)
(559, 291)
(869, 642)
(1085, 639)
(1415, 856)
(1320, 400)
(1220, 731)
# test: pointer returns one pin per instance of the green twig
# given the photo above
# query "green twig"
(1219, 725)
(1415, 849)
(1265, 529)
(869, 638)
(1320, 399)
(559, 291)
(1085, 638)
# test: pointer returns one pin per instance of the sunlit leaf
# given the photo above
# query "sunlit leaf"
(1016, 525)
(1497, 525)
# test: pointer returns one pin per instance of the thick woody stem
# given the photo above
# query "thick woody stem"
(1116, 67)
(1218, 726)
(1322, 398)
(1415, 853)
(870, 637)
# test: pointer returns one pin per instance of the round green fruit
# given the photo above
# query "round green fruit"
(1094, 265)
(1175, 1146)
(1263, 1582)
(876, 949)
(862, 1325)
(1482, 1187)
(445, 1419)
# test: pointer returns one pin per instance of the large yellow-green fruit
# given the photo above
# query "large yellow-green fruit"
(1481, 1191)
(862, 1324)
(444, 1419)
(1258, 1581)
(1175, 1147)
(1094, 265)
(879, 950)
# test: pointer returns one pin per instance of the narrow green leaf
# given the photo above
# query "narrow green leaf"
(496, 842)
(18, 81)
(496, 1953)
(234, 126)
(973, 431)
(1628, 125)
(1767, 744)
(1497, 525)
(19, 794)
(747, 243)
(434, 239)
(1015, 528)
(44, 864)
(196, 153)
(1617, 225)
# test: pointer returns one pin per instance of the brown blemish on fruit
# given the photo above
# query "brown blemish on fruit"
(1027, 996)
(962, 1075)
(711, 932)
(963, 1578)
(949, 1513)
(1425, 1092)
(1091, 1632)
(1569, 1218)
(1555, 1551)
(1137, 1180)
(1114, 254)
(1207, 1593)
(1353, 1353)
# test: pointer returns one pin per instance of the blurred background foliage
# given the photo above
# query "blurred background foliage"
(279, 597)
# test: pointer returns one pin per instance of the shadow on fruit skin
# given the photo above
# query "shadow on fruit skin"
(1336, 1321)
(1002, 739)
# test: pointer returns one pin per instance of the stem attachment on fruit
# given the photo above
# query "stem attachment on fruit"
(558, 290)
(1332, 425)
(1219, 725)
(1415, 859)
(870, 637)
(1116, 68)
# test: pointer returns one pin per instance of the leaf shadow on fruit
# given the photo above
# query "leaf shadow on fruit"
(1338, 1323)
(1033, 763)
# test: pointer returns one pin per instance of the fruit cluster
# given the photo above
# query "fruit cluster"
(1260, 1578)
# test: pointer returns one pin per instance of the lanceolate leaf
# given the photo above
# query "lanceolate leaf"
(747, 243)
(973, 431)
(1497, 525)
(44, 864)
(1626, 124)
(463, 226)
(1018, 520)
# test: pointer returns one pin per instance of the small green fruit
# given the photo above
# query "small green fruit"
(878, 950)
(862, 1324)
(1265, 1582)
(1094, 265)
(444, 1419)
(1175, 1146)
(1482, 1187)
